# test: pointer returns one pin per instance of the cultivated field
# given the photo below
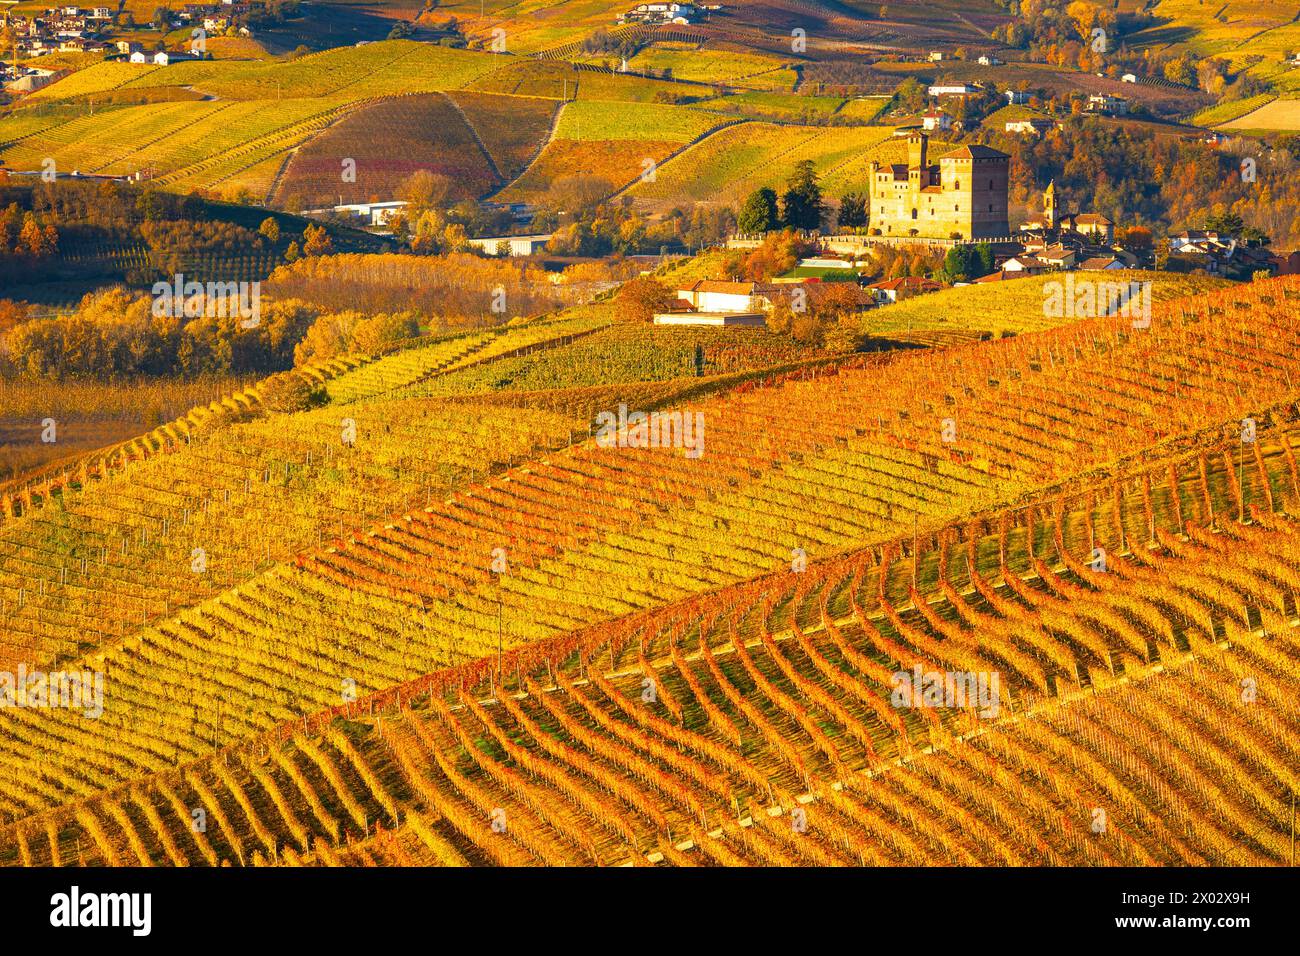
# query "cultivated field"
(731, 163)
(770, 686)
(1278, 115)
(388, 141)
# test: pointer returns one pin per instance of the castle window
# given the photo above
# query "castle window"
(913, 213)
(990, 185)
(956, 184)
(990, 207)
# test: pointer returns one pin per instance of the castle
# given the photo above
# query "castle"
(963, 196)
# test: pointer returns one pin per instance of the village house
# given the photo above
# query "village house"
(892, 290)
(1016, 97)
(1028, 265)
(1196, 240)
(511, 245)
(936, 120)
(953, 89)
(680, 13)
(710, 302)
(1107, 104)
(1058, 257)
(1000, 276)
(989, 60)
(1032, 126)
(711, 295)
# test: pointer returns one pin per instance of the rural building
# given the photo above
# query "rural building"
(1058, 256)
(1017, 97)
(511, 245)
(1195, 240)
(891, 290)
(1033, 126)
(937, 119)
(1129, 78)
(161, 58)
(1108, 104)
(963, 196)
(372, 213)
(1088, 223)
(936, 56)
(661, 13)
(1101, 264)
(710, 295)
(711, 319)
(988, 60)
(955, 89)
(1058, 221)
(1000, 276)
(31, 81)
(138, 57)
(1028, 265)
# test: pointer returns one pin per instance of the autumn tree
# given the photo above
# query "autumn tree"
(640, 298)
(425, 189)
(316, 241)
(270, 230)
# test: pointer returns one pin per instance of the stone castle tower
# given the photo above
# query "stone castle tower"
(1051, 211)
(964, 194)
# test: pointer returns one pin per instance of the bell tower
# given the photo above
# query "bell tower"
(1050, 210)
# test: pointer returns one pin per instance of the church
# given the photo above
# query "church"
(963, 196)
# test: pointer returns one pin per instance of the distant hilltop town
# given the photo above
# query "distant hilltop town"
(88, 29)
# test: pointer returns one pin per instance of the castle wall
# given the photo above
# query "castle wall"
(961, 195)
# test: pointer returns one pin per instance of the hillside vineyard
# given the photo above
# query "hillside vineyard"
(790, 435)
(599, 538)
